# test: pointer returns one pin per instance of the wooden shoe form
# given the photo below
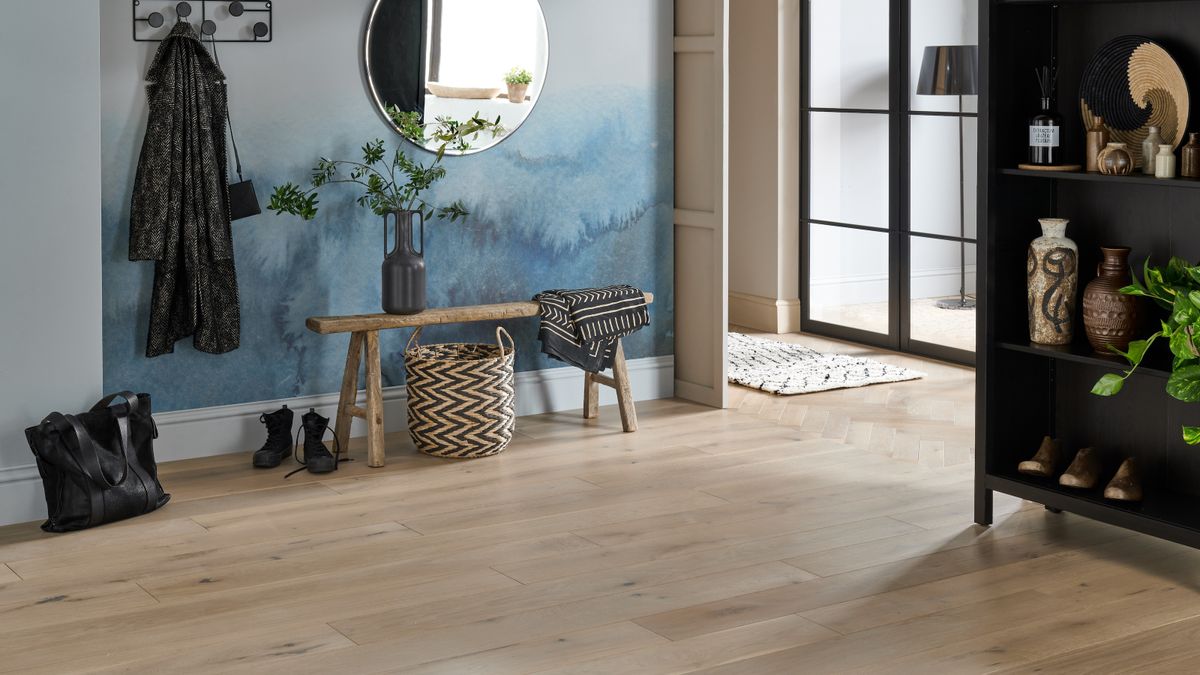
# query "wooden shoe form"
(1084, 472)
(1042, 463)
(1126, 486)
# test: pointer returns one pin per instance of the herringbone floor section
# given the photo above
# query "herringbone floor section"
(929, 421)
(828, 533)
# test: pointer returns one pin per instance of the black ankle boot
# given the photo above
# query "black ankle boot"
(317, 458)
(279, 438)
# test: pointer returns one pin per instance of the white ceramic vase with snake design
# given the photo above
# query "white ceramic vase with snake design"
(1052, 273)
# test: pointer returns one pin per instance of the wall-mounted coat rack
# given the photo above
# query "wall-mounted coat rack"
(248, 21)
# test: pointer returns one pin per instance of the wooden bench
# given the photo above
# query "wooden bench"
(364, 339)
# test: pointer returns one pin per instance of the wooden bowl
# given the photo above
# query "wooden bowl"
(445, 91)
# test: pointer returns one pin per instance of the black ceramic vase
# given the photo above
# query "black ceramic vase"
(403, 265)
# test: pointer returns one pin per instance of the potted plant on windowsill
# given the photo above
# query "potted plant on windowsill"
(518, 81)
(394, 187)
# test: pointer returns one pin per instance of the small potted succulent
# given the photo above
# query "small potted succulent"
(392, 186)
(518, 81)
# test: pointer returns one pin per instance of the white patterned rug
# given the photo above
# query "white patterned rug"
(784, 368)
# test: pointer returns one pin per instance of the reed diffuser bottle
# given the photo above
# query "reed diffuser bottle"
(1045, 128)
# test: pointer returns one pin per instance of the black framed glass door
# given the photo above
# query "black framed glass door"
(886, 242)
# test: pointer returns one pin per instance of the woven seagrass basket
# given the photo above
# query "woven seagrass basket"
(460, 396)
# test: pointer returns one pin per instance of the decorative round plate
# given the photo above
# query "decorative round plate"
(1134, 84)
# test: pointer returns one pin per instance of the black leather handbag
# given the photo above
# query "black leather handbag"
(98, 467)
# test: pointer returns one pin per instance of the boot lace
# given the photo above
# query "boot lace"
(277, 430)
(314, 445)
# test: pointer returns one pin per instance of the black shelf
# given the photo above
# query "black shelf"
(1026, 391)
(1132, 179)
(1154, 364)
(1163, 513)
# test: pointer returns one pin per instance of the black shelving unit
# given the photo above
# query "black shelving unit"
(1026, 391)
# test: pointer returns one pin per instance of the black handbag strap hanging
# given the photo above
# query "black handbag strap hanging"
(243, 202)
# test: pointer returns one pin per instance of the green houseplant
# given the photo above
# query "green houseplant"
(393, 185)
(1175, 288)
(518, 81)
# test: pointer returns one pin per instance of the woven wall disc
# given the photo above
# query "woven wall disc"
(1134, 84)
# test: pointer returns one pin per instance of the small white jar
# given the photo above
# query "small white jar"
(1164, 162)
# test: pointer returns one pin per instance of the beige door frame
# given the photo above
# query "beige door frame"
(701, 200)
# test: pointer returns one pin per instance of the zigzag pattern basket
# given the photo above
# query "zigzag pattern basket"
(460, 397)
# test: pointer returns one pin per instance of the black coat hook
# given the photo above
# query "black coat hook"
(149, 27)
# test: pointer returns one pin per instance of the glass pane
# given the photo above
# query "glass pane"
(848, 277)
(848, 168)
(848, 54)
(936, 313)
(940, 22)
(934, 177)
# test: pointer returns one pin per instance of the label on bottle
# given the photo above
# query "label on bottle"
(1043, 137)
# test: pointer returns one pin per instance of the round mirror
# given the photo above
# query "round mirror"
(457, 59)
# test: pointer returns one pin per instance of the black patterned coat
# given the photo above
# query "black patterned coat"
(180, 215)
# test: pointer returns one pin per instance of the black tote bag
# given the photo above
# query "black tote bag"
(98, 467)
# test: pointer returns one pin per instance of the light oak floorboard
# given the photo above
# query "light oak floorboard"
(823, 533)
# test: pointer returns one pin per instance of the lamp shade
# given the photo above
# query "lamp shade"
(949, 70)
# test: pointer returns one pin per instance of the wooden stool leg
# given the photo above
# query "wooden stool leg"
(624, 391)
(374, 402)
(591, 397)
(349, 395)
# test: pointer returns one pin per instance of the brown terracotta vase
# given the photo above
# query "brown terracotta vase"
(1115, 160)
(1109, 316)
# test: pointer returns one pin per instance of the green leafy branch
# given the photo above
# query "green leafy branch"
(1175, 288)
(395, 183)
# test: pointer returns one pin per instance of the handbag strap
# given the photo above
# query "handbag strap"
(131, 458)
(130, 398)
(84, 452)
(237, 160)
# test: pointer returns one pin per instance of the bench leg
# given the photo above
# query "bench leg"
(624, 391)
(374, 402)
(591, 397)
(348, 399)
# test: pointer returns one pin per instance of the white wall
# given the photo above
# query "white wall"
(764, 141)
(50, 260)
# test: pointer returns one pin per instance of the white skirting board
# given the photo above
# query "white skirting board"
(765, 314)
(204, 432)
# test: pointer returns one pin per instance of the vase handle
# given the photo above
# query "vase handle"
(387, 252)
(421, 238)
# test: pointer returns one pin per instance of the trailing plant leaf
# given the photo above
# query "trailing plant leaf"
(1191, 435)
(1108, 385)
(1176, 288)
(1184, 384)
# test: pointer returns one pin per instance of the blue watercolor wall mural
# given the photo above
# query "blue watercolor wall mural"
(580, 195)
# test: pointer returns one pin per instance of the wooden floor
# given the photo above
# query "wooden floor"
(824, 533)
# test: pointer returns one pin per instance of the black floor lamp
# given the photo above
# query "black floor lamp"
(950, 70)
